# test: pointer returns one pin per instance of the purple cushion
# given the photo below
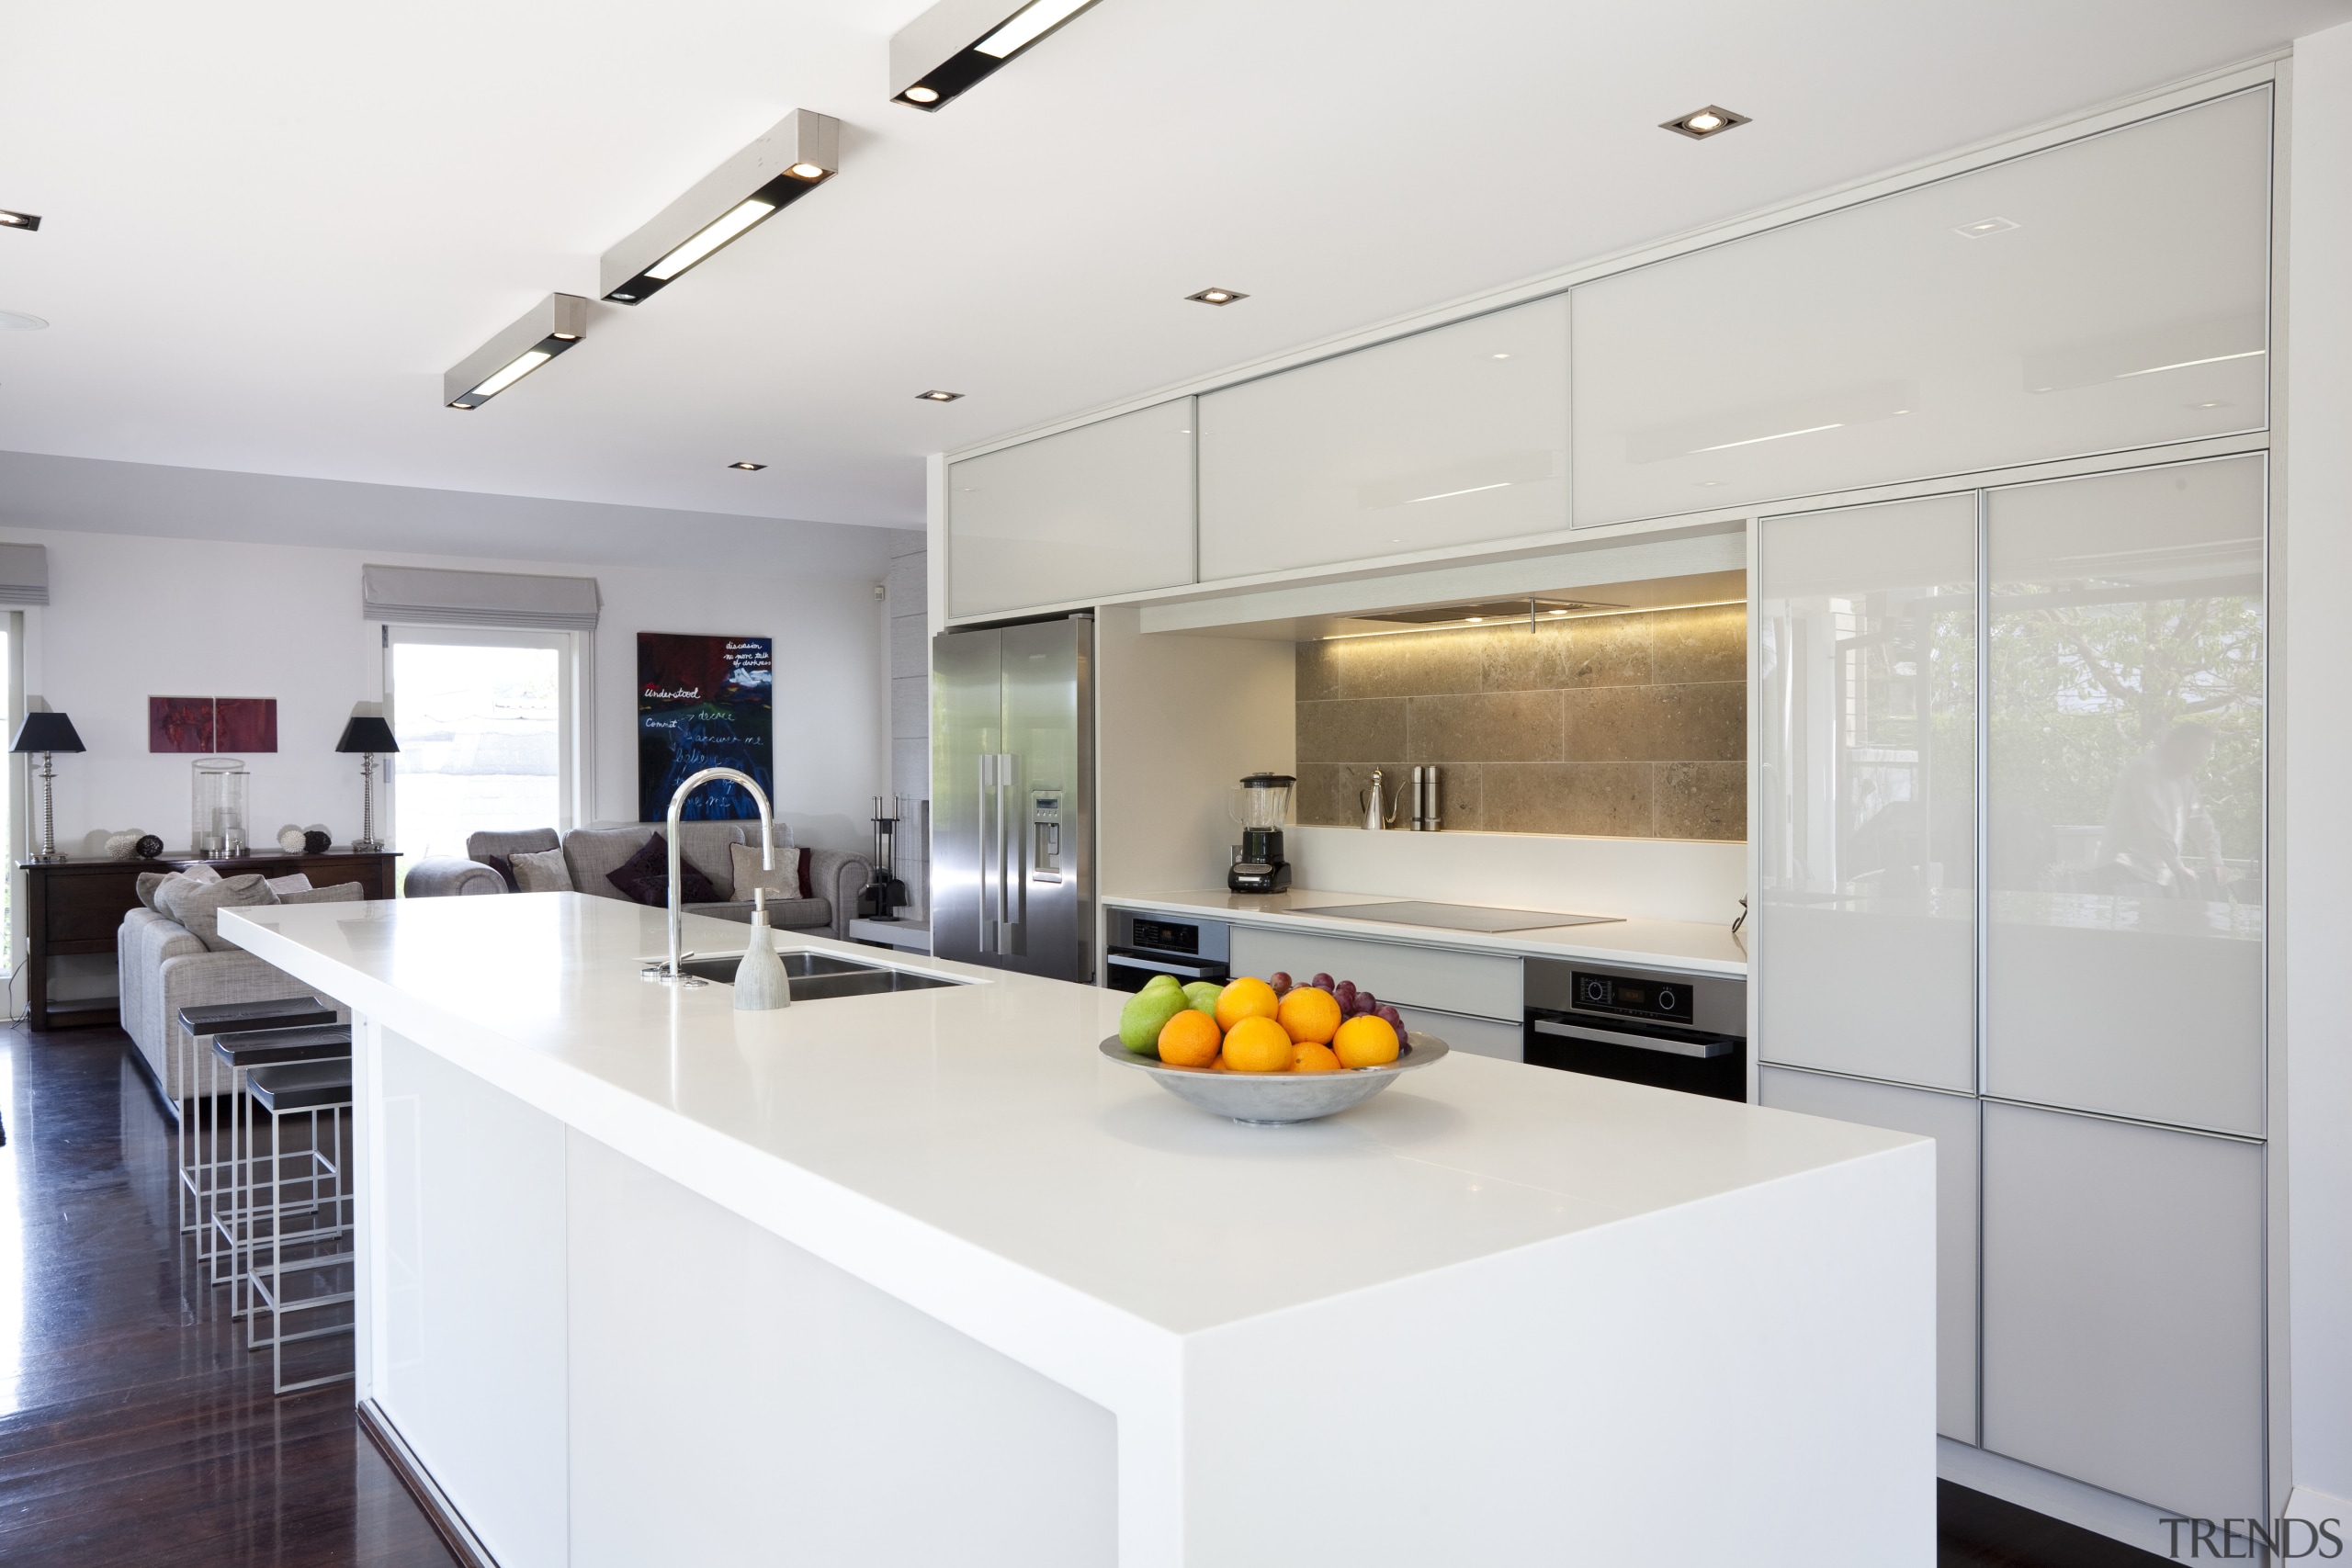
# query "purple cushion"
(646, 877)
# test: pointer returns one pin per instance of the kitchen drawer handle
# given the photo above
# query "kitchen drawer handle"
(1704, 1048)
(1162, 966)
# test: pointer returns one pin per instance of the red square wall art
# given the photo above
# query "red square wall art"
(212, 724)
(179, 724)
(245, 724)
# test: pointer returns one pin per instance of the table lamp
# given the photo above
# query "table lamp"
(368, 734)
(47, 733)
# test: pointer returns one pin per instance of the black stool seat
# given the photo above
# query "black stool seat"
(301, 1085)
(285, 1012)
(260, 1048)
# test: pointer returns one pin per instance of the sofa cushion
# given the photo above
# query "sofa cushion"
(333, 893)
(546, 871)
(293, 881)
(789, 880)
(496, 850)
(197, 906)
(645, 876)
(149, 881)
(595, 854)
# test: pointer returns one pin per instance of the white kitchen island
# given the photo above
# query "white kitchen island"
(919, 1278)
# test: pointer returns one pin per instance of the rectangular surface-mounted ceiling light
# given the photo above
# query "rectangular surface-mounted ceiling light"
(800, 153)
(959, 43)
(554, 325)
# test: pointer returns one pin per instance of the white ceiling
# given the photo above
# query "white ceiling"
(270, 226)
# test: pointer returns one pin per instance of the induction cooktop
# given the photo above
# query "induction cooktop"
(1457, 916)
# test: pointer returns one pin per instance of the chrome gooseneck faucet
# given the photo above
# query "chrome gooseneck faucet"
(677, 879)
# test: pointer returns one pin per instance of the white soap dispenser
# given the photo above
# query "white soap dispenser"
(760, 983)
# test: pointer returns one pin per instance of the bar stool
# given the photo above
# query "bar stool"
(228, 1233)
(200, 1166)
(297, 1089)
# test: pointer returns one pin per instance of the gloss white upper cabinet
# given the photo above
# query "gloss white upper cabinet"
(1455, 435)
(1103, 509)
(2105, 294)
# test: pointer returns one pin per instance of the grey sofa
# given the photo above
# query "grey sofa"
(161, 968)
(593, 854)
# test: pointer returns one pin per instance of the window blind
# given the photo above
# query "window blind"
(415, 595)
(24, 574)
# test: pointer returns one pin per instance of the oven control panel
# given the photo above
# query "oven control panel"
(1632, 996)
(1166, 936)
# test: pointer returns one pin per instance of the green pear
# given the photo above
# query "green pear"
(1160, 983)
(1202, 994)
(1147, 1012)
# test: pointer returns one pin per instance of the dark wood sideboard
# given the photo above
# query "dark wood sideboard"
(76, 906)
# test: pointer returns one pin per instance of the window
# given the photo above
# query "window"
(485, 723)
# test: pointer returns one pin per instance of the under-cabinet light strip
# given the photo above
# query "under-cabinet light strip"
(1514, 620)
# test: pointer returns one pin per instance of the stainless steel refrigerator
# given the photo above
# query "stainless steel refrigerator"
(1013, 798)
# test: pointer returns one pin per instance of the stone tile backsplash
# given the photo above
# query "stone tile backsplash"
(1622, 726)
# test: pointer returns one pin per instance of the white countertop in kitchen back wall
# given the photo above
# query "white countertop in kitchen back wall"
(1664, 879)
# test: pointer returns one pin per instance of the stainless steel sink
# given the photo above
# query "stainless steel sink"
(814, 977)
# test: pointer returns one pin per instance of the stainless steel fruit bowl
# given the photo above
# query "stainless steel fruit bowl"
(1274, 1098)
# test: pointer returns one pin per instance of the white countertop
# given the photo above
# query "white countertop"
(982, 1113)
(1673, 944)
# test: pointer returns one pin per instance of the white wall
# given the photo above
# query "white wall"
(2312, 844)
(134, 616)
(1178, 721)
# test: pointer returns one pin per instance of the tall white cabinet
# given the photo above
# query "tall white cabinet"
(2010, 884)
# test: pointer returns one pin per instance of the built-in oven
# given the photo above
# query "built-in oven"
(1142, 945)
(1647, 1026)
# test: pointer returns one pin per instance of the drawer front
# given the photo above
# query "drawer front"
(1474, 982)
(1478, 1036)
(87, 906)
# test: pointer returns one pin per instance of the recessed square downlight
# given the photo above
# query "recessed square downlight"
(1700, 124)
(27, 221)
(937, 396)
(748, 467)
(1218, 296)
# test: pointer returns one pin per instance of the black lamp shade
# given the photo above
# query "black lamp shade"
(366, 732)
(46, 732)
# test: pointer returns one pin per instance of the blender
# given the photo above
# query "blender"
(1260, 803)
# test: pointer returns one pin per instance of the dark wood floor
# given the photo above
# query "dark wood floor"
(135, 1428)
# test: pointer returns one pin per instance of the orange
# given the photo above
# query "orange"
(1310, 1015)
(1313, 1059)
(1365, 1041)
(1245, 997)
(1257, 1045)
(1189, 1039)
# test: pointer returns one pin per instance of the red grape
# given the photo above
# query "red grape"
(1321, 982)
(1395, 1020)
(1280, 982)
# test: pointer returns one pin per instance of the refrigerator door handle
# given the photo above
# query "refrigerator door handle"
(987, 915)
(1007, 770)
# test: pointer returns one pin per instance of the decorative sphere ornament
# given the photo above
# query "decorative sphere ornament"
(316, 842)
(291, 839)
(149, 846)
